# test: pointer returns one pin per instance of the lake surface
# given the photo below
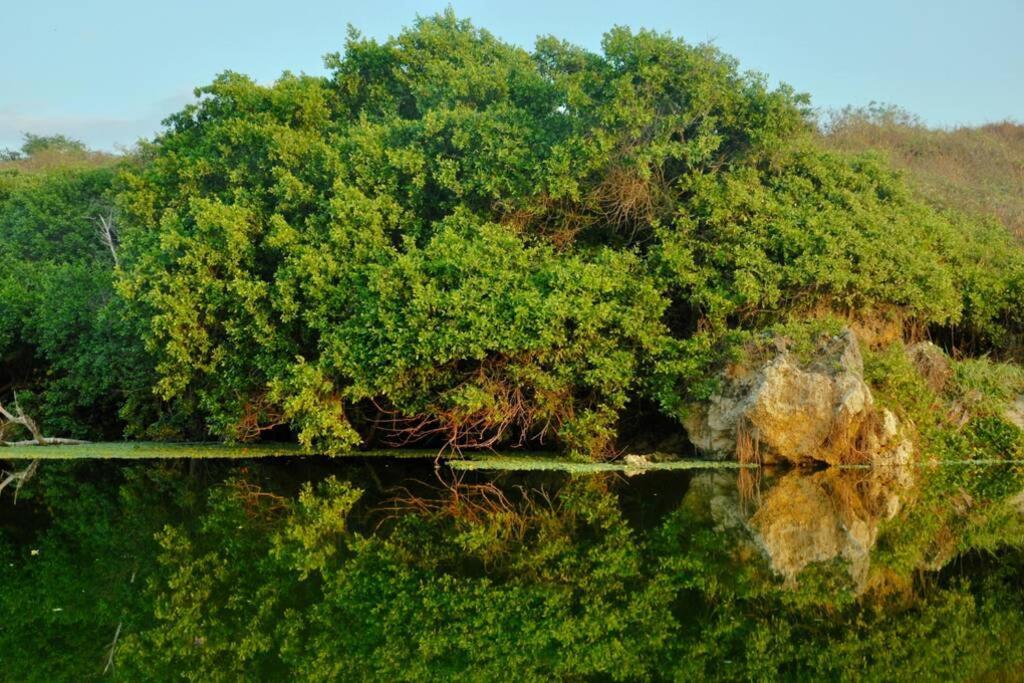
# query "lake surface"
(387, 569)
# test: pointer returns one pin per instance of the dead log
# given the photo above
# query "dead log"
(19, 418)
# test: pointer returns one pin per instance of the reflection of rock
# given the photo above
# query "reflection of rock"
(828, 515)
(821, 410)
(801, 519)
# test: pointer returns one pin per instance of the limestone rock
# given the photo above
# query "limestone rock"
(1015, 412)
(788, 411)
(931, 363)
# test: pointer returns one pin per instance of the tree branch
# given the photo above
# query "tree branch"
(18, 417)
(108, 233)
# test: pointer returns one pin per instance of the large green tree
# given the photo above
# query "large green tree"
(454, 238)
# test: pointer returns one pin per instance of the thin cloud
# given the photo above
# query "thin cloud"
(98, 132)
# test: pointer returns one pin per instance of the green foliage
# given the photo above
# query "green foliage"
(811, 230)
(66, 343)
(486, 245)
(456, 242)
(988, 387)
(391, 234)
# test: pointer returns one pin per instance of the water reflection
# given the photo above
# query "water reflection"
(327, 570)
(795, 519)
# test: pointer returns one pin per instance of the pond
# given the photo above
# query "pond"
(303, 568)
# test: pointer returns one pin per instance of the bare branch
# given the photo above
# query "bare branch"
(18, 478)
(108, 233)
(19, 418)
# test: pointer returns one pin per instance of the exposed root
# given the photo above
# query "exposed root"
(258, 415)
(856, 444)
(748, 446)
(509, 413)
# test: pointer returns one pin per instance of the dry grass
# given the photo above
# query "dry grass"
(49, 160)
(976, 169)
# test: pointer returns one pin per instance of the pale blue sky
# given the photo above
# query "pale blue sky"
(107, 71)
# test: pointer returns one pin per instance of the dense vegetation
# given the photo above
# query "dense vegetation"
(455, 241)
(67, 346)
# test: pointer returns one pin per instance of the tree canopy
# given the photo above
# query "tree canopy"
(454, 239)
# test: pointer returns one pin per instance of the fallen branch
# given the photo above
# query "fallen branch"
(47, 441)
(18, 417)
(108, 234)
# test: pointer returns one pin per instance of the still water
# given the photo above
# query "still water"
(380, 569)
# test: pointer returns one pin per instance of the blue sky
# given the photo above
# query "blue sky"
(108, 71)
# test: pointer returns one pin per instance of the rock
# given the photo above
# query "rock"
(788, 411)
(638, 461)
(1015, 412)
(931, 363)
(646, 459)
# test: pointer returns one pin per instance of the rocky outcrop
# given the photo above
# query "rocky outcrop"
(931, 363)
(1015, 412)
(785, 410)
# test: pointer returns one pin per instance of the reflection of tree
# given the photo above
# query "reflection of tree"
(240, 577)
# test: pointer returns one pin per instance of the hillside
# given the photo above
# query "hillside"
(975, 169)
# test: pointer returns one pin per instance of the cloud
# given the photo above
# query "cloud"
(98, 132)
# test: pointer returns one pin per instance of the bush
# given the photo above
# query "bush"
(455, 239)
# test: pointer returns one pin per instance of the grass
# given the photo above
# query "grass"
(518, 463)
(500, 462)
(142, 450)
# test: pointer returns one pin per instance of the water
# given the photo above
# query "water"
(380, 569)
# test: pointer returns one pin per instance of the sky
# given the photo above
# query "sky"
(108, 71)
